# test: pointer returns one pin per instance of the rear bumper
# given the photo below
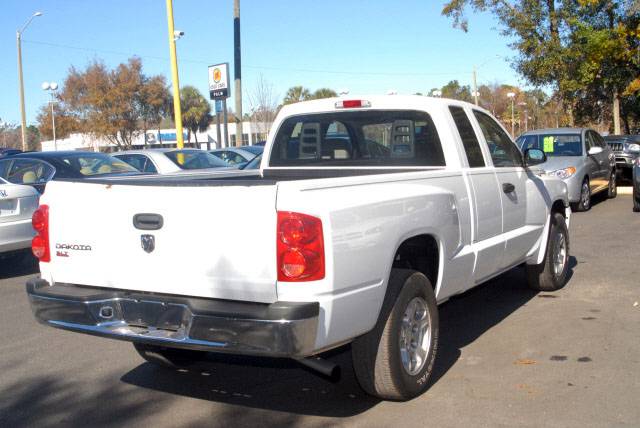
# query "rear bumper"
(16, 235)
(280, 329)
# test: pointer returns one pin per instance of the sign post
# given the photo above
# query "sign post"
(218, 111)
(219, 91)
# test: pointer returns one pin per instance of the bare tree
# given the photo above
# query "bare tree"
(264, 105)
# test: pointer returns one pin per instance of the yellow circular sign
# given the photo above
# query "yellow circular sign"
(217, 75)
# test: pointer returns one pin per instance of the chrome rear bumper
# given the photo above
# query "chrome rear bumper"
(280, 329)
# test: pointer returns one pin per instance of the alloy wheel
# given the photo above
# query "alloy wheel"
(415, 336)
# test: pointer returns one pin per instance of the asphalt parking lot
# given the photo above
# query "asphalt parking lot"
(508, 357)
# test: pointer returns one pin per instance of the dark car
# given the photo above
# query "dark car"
(4, 152)
(28, 171)
(80, 164)
(626, 149)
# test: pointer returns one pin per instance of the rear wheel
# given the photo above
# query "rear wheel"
(395, 359)
(551, 274)
(612, 191)
(168, 357)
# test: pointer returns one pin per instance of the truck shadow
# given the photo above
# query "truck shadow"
(467, 317)
(51, 400)
(279, 385)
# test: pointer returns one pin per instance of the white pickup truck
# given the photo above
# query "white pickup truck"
(365, 215)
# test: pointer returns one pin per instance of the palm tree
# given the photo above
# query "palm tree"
(323, 93)
(196, 111)
(296, 94)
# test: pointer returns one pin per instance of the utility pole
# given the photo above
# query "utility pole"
(177, 113)
(475, 86)
(512, 95)
(237, 71)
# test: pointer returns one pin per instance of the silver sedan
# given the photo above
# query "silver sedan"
(171, 161)
(17, 204)
(578, 156)
(238, 155)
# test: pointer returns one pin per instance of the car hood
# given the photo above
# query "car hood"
(554, 163)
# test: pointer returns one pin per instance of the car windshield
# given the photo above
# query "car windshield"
(253, 163)
(256, 150)
(195, 159)
(553, 144)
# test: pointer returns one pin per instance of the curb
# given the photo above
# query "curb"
(625, 190)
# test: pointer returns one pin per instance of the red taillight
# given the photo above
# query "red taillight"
(352, 104)
(40, 243)
(300, 247)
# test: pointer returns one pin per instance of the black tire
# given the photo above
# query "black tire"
(168, 357)
(612, 190)
(378, 355)
(545, 277)
(585, 197)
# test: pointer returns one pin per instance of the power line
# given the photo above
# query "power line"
(256, 67)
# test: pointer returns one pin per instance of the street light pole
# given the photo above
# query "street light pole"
(53, 125)
(51, 87)
(23, 116)
(475, 86)
(177, 113)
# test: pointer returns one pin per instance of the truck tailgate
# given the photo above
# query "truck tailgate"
(215, 241)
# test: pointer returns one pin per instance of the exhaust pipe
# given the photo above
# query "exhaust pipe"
(327, 368)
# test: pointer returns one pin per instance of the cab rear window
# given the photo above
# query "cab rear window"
(363, 138)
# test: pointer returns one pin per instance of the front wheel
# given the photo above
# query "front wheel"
(551, 274)
(584, 204)
(395, 359)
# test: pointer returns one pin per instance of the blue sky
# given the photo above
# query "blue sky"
(363, 46)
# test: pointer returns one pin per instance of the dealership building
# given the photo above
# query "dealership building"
(253, 132)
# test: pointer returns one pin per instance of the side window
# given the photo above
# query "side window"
(599, 140)
(27, 171)
(133, 160)
(149, 166)
(503, 151)
(590, 141)
(468, 136)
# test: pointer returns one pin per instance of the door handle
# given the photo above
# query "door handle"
(508, 188)
(148, 221)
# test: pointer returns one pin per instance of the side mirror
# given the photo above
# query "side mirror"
(595, 150)
(534, 157)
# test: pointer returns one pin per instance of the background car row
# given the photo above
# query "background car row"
(586, 161)
(23, 177)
